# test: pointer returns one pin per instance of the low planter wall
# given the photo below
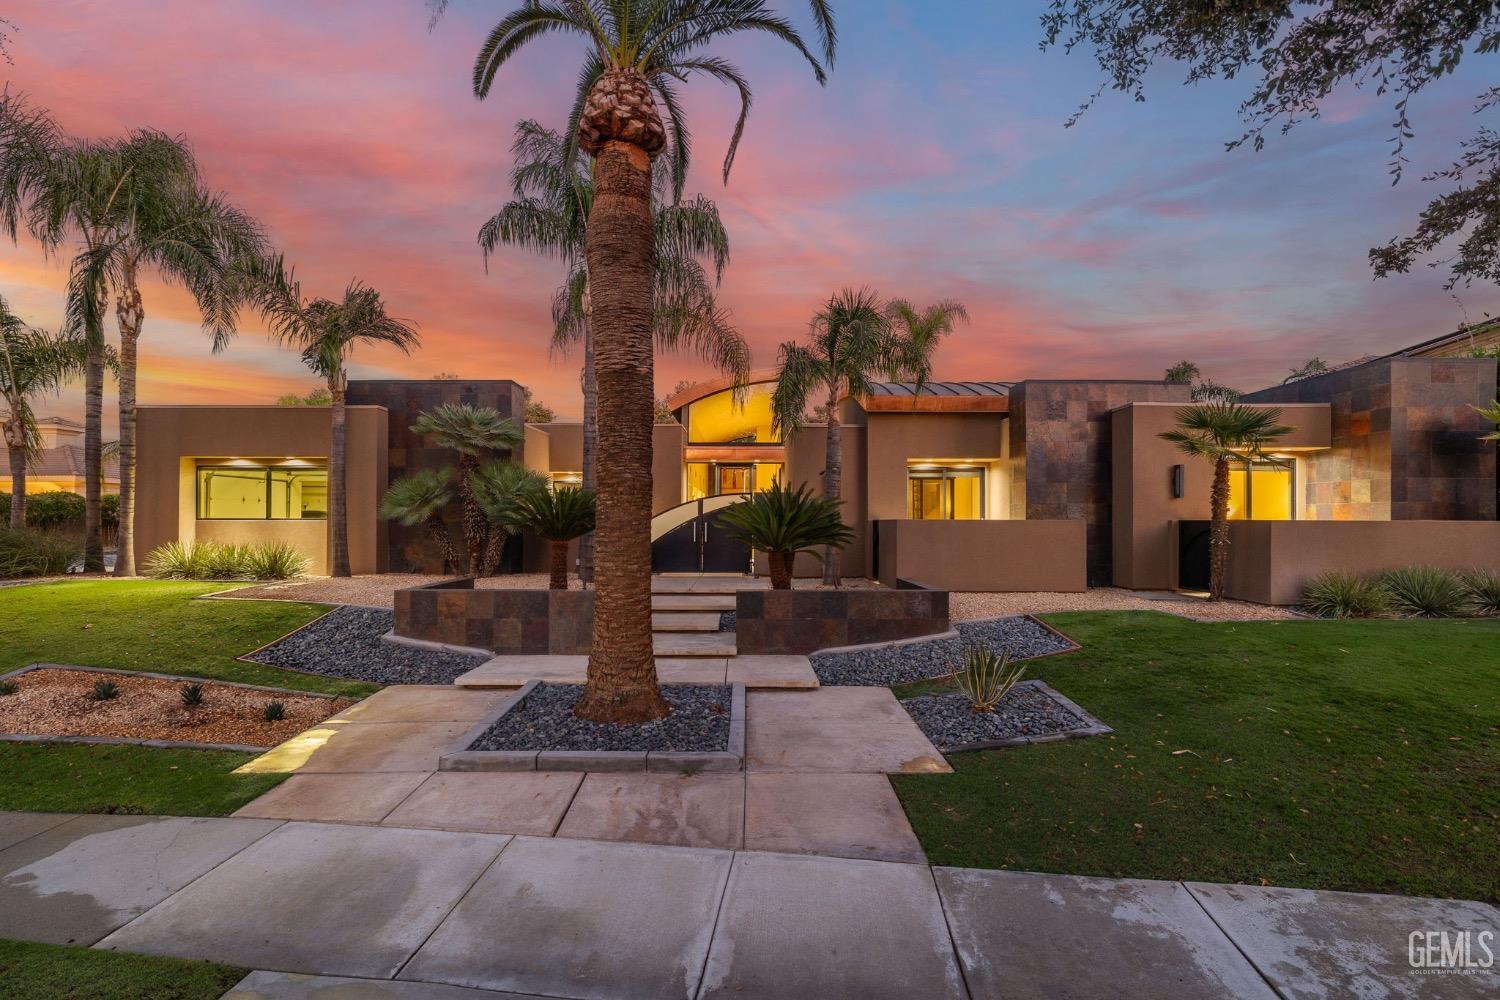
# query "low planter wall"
(507, 622)
(801, 621)
(1015, 556)
(1270, 562)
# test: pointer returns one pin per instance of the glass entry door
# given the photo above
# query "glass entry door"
(735, 479)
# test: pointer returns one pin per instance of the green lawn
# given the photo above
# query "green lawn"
(1335, 755)
(31, 971)
(153, 625)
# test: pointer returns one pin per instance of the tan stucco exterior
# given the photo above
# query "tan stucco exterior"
(984, 555)
(175, 439)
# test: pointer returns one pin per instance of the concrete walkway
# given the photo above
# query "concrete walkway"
(589, 919)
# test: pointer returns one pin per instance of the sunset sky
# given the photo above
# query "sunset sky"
(934, 165)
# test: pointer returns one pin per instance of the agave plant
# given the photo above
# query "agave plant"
(1425, 591)
(1483, 586)
(782, 522)
(1337, 594)
(986, 678)
(559, 516)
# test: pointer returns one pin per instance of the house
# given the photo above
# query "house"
(976, 485)
(59, 466)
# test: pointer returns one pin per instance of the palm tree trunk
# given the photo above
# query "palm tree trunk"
(130, 314)
(476, 524)
(781, 570)
(833, 474)
(559, 579)
(17, 483)
(620, 248)
(439, 533)
(338, 489)
(1218, 532)
(93, 448)
(590, 446)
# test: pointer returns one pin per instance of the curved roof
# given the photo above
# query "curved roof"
(699, 390)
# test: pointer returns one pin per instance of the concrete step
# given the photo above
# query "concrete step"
(693, 643)
(692, 602)
(685, 621)
(716, 584)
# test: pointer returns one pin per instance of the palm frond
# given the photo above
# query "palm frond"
(801, 372)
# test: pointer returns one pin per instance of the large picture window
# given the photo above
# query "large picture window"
(945, 493)
(260, 493)
(1262, 491)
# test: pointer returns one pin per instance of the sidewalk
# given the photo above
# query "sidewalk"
(591, 919)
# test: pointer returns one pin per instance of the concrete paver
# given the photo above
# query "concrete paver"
(577, 918)
(1349, 944)
(79, 880)
(263, 985)
(423, 703)
(693, 643)
(692, 602)
(700, 810)
(691, 669)
(1036, 937)
(838, 729)
(513, 671)
(316, 898)
(837, 815)
(17, 826)
(335, 798)
(795, 927)
(685, 621)
(529, 802)
(764, 671)
(362, 747)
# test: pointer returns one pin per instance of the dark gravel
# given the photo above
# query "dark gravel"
(1028, 711)
(346, 643)
(925, 659)
(545, 721)
(728, 621)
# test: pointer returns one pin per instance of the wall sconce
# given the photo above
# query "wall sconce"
(1177, 482)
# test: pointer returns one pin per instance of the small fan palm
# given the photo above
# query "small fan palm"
(498, 488)
(559, 516)
(32, 362)
(419, 499)
(1492, 414)
(782, 522)
(474, 432)
(1224, 433)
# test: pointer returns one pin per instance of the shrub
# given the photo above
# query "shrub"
(782, 522)
(8, 688)
(191, 694)
(46, 511)
(1426, 591)
(105, 691)
(1343, 595)
(36, 553)
(1483, 589)
(274, 711)
(986, 678)
(221, 561)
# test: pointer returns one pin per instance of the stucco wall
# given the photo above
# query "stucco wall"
(564, 446)
(984, 555)
(1271, 561)
(172, 438)
(896, 439)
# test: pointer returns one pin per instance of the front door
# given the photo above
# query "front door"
(734, 479)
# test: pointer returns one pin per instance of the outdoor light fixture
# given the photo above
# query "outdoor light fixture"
(1177, 482)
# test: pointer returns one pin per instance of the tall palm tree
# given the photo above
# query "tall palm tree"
(559, 516)
(637, 53)
(850, 344)
(474, 432)
(326, 332)
(918, 332)
(1223, 433)
(167, 221)
(31, 362)
(553, 193)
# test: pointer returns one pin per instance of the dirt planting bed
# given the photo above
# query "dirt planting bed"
(58, 702)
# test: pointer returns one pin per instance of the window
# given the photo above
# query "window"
(945, 493)
(259, 493)
(560, 479)
(711, 479)
(724, 419)
(1262, 491)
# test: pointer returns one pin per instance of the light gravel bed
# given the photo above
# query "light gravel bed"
(965, 606)
(347, 642)
(699, 722)
(1031, 712)
(923, 659)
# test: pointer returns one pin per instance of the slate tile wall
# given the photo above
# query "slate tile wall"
(797, 622)
(507, 622)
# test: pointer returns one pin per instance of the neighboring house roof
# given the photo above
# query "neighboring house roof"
(64, 461)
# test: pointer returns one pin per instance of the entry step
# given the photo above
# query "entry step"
(692, 602)
(685, 621)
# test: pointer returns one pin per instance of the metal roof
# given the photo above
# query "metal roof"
(942, 388)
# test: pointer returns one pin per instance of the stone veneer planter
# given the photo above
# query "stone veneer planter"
(507, 622)
(791, 622)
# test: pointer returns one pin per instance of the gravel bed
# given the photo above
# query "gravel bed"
(347, 642)
(545, 721)
(1029, 712)
(924, 659)
(963, 606)
(728, 621)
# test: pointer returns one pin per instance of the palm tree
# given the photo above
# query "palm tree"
(559, 516)
(326, 332)
(31, 362)
(498, 488)
(1492, 414)
(474, 432)
(553, 193)
(1224, 433)
(918, 333)
(782, 522)
(420, 498)
(167, 220)
(638, 53)
(851, 343)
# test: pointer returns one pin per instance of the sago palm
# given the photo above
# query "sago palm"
(553, 192)
(326, 332)
(420, 499)
(781, 522)
(559, 516)
(32, 362)
(1223, 433)
(638, 54)
(475, 433)
(499, 488)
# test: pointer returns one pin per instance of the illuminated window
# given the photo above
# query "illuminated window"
(767, 474)
(1261, 491)
(723, 419)
(259, 493)
(567, 479)
(699, 481)
(945, 492)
